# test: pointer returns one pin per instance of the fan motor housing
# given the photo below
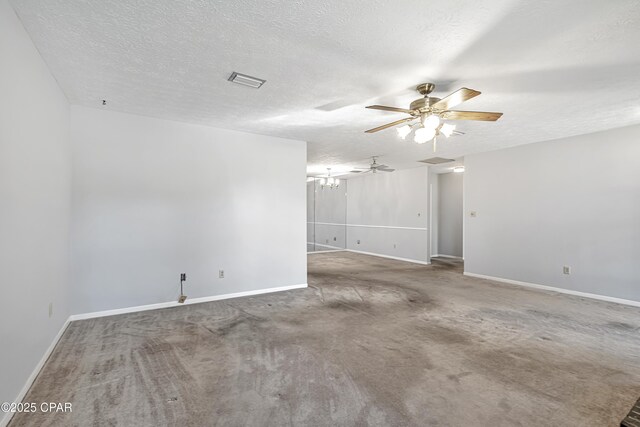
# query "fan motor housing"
(423, 104)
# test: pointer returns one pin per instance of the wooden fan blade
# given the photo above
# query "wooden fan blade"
(388, 125)
(385, 108)
(457, 97)
(470, 115)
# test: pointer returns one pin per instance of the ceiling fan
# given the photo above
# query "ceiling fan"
(428, 114)
(373, 167)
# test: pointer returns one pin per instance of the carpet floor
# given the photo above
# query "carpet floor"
(371, 341)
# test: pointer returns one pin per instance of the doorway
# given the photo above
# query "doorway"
(447, 212)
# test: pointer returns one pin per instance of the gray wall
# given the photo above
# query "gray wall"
(574, 202)
(311, 215)
(154, 198)
(450, 214)
(35, 191)
(388, 213)
(434, 183)
(330, 216)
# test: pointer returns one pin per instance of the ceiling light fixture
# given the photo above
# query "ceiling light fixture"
(458, 169)
(243, 79)
(430, 111)
(329, 181)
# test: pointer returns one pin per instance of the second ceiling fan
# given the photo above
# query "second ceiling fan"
(373, 167)
(429, 112)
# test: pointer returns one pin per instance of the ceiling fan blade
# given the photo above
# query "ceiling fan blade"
(457, 97)
(386, 169)
(470, 115)
(385, 108)
(388, 125)
(377, 166)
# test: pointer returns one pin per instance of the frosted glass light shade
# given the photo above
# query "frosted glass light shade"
(424, 134)
(432, 122)
(447, 129)
(403, 131)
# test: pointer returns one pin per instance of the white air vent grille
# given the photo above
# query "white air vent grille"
(243, 79)
(436, 160)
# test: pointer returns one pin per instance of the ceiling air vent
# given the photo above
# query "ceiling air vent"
(436, 160)
(243, 79)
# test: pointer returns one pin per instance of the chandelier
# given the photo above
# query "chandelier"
(329, 182)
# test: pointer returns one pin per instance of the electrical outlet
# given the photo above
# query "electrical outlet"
(566, 270)
(50, 309)
(221, 274)
(358, 241)
(183, 277)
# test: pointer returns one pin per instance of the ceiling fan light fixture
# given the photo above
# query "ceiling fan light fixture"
(403, 131)
(432, 121)
(447, 129)
(458, 169)
(424, 134)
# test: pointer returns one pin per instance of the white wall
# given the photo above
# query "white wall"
(35, 186)
(154, 198)
(388, 213)
(574, 202)
(450, 214)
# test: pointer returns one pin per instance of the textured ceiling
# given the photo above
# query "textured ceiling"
(555, 68)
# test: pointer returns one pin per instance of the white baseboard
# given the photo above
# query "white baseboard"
(177, 304)
(332, 248)
(554, 289)
(7, 416)
(415, 261)
(447, 256)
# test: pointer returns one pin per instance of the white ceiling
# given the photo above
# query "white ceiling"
(555, 68)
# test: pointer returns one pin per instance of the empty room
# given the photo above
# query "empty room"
(330, 213)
